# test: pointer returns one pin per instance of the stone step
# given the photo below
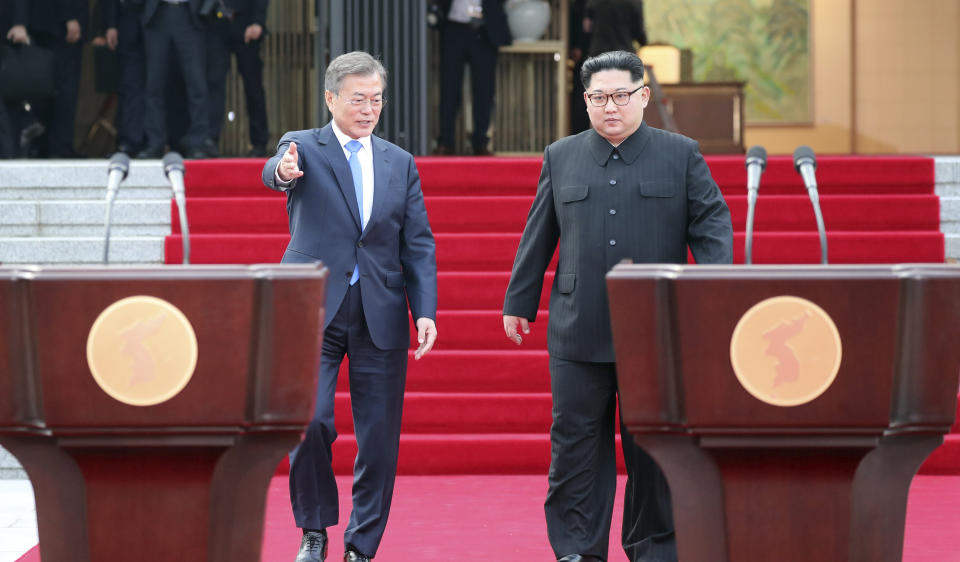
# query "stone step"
(80, 250)
(84, 218)
(49, 180)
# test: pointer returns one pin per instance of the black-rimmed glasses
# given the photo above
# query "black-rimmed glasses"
(619, 98)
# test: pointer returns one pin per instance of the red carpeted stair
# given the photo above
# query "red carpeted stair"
(477, 404)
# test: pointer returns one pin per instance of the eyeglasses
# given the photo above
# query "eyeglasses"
(619, 98)
(375, 103)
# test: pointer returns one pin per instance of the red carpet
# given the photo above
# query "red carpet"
(442, 518)
(477, 404)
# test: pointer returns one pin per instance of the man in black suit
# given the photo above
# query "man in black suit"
(125, 35)
(471, 32)
(238, 29)
(13, 27)
(58, 26)
(621, 190)
(178, 26)
(355, 203)
(614, 25)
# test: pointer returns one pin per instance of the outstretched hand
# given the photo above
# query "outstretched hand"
(289, 170)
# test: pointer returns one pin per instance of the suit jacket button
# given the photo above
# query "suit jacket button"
(613, 242)
(613, 182)
(360, 244)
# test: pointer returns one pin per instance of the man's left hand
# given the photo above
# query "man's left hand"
(112, 37)
(252, 33)
(73, 31)
(426, 335)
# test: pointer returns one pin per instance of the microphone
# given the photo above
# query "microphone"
(806, 164)
(117, 171)
(756, 164)
(174, 169)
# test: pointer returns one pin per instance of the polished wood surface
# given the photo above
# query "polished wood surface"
(181, 480)
(825, 480)
(710, 112)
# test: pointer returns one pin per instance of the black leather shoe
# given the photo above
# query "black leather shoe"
(352, 555)
(313, 547)
(578, 558)
(442, 150)
(151, 152)
(206, 149)
(127, 149)
(482, 151)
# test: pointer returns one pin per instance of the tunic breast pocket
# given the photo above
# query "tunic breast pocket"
(573, 193)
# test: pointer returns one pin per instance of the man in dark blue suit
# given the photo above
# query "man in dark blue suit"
(472, 32)
(354, 202)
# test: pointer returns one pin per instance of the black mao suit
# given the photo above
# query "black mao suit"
(462, 44)
(646, 200)
(367, 321)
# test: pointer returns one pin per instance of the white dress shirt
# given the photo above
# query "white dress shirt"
(365, 155)
(465, 10)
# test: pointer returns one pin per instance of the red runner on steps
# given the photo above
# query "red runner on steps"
(479, 405)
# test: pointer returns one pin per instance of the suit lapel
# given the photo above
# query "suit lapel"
(381, 178)
(333, 152)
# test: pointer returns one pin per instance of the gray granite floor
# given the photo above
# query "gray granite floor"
(18, 519)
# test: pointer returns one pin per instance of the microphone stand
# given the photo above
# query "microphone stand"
(806, 165)
(119, 164)
(174, 169)
(751, 204)
(756, 164)
(184, 227)
(815, 200)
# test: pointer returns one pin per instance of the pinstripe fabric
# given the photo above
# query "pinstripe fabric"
(645, 201)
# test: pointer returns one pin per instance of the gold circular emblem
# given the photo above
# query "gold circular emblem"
(142, 350)
(786, 351)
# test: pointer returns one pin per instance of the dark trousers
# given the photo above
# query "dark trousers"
(59, 113)
(583, 472)
(7, 149)
(460, 45)
(226, 38)
(130, 97)
(172, 26)
(377, 379)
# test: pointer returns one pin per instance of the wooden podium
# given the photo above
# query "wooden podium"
(150, 406)
(789, 407)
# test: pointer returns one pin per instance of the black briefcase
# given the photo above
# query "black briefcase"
(27, 72)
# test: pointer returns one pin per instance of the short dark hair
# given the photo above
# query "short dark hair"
(612, 60)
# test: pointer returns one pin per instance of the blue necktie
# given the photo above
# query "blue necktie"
(354, 146)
